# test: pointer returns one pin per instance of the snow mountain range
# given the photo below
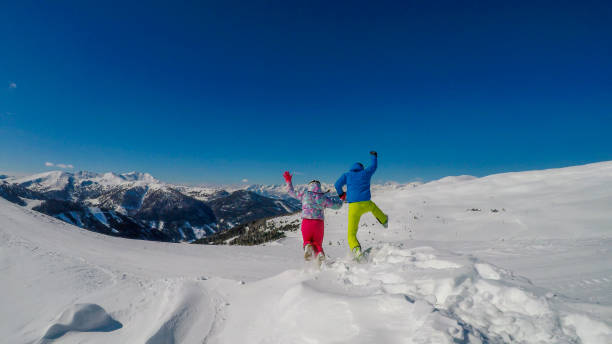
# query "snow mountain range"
(136, 205)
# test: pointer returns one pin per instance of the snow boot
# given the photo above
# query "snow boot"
(361, 256)
(356, 252)
(308, 252)
(320, 257)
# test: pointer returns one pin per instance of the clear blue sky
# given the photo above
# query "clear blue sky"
(219, 91)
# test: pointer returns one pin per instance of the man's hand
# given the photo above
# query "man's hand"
(374, 153)
(343, 196)
(287, 176)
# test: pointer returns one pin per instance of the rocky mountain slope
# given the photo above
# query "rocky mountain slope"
(136, 205)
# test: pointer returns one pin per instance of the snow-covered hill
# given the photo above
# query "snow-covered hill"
(510, 258)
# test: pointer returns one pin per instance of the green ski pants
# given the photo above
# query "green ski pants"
(356, 209)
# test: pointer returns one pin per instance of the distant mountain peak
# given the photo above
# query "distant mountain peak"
(112, 178)
(139, 176)
(60, 180)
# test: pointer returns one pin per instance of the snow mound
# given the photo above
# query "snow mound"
(84, 317)
(416, 295)
(184, 315)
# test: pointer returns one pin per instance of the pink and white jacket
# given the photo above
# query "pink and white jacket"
(314, 201)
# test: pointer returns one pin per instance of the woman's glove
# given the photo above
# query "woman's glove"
(343, 196)
(287, 176)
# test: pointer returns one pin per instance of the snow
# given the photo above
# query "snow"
(47, 181)
(77, 217)
(98, 214)
(281, 204)
(535, 271)
(277, 191)
(83, 318)
(114, 179)
(200, 232)
(32, 203)
(58, 180)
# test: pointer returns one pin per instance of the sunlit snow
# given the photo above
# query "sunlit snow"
(509, 258)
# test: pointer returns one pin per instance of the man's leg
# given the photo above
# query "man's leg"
(378, 214)
(354, 215)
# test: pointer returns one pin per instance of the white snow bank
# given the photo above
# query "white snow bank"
(416, 295)
(181, 312)
(587, 329)
(86, 317)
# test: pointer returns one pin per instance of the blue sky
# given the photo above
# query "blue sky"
(216, 92)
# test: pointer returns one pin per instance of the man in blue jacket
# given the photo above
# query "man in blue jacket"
(357, 181)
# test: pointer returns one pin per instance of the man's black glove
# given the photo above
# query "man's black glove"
(374, 153)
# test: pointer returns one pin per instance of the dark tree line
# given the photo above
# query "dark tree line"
(251, 233)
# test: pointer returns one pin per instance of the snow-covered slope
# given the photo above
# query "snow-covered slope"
(571, 202)
(451, 275)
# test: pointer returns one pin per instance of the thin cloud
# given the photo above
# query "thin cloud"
(64, 166)
(12, 85)
(245, 180)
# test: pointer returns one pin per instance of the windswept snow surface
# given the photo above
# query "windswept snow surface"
(510, 258)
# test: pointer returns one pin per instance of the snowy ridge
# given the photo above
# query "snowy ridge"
(54, 180)
(58, 180)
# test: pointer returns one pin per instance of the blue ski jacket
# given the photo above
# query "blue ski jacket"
(357, 181)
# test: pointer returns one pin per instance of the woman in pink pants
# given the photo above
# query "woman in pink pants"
(314, 201)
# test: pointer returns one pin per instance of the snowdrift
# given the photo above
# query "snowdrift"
(416, 295)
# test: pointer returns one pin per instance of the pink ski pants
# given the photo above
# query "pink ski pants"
(312, 232)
